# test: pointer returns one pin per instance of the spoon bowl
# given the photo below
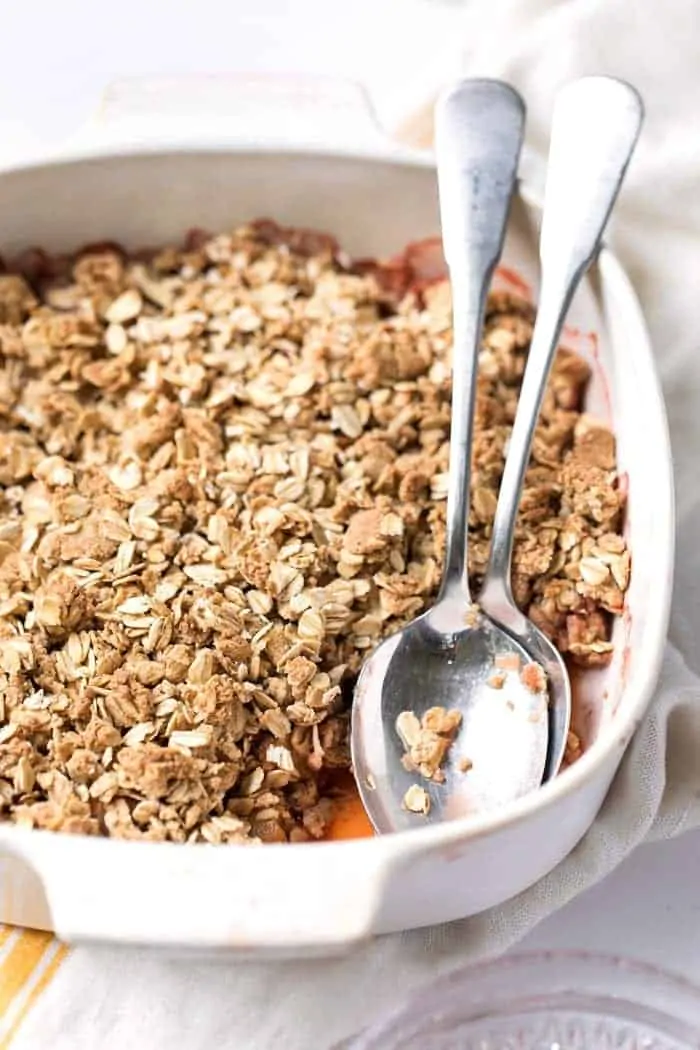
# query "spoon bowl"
(451, 657)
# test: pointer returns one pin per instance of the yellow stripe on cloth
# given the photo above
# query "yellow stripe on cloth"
(19, 964)
(43, 975)
(27, 967)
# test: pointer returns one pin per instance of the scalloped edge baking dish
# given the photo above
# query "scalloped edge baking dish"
(166, 155)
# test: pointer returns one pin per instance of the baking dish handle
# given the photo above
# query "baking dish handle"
(243, 900)
(233, 110)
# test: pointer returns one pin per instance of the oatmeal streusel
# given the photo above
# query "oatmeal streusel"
(223, 475)
(416, 800)
(427, 740)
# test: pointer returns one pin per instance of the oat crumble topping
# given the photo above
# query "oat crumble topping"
(416, 800)
(224, 471)
(497, 680)
(427, 740)
(534, 678)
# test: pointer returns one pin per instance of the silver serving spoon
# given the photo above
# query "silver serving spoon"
(438, 660)
(595, 127)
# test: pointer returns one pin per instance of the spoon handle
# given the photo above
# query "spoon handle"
(594, 131)
(478, 136)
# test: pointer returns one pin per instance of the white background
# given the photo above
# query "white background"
(56, 58)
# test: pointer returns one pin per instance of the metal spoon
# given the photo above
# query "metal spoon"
(595, 128)
(439, 659)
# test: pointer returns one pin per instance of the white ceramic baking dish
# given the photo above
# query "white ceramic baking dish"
(164, 157)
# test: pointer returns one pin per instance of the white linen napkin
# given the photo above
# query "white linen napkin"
(107, 998)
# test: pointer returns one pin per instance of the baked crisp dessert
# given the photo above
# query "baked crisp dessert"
(224, 471)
